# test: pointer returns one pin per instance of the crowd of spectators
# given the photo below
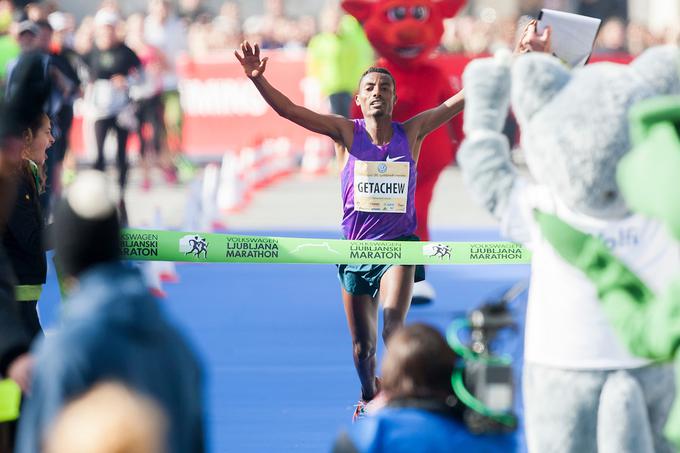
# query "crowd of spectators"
(214, 30)
(220, 30)
(472, 35)
(466, 34)
(159, 32)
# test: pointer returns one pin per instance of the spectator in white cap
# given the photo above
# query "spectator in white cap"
(113, 68)
(57, 20)
(106, 16)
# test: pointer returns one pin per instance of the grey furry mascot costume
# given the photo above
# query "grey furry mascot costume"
(583, 390)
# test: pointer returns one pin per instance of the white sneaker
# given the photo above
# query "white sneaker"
(423, 293)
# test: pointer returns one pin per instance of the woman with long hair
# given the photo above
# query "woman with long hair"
(23, 237)
(422, 413)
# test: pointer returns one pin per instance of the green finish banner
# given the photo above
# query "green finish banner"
(156, 245)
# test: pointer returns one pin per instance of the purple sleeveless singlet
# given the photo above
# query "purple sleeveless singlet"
(377, 225)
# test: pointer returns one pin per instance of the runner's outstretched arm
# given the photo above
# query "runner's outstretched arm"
(425, 122)
(336, 127)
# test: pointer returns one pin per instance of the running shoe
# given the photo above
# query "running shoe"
(359, 410)
(364, 408)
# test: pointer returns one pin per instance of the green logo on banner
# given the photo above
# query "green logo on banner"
(441, 251)
(195, 245)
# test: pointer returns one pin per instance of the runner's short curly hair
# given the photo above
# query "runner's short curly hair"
(379, 70)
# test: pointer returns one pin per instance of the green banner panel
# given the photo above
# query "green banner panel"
(155, 245)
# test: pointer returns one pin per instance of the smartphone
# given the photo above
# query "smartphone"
(573, 35)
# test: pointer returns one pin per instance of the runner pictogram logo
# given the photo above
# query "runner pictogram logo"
(195, 245)
(437, 250)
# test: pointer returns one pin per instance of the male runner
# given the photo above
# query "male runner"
(378, 160)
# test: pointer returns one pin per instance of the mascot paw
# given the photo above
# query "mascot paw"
(487, 94)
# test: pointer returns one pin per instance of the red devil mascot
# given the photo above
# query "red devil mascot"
(405, 33)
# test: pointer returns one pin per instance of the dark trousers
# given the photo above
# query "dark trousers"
(150, 111)
(101, 128)
(28, 312)
(8, 431)
(64, 120)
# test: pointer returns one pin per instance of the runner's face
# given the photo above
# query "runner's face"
(376, 95)
(105, 37)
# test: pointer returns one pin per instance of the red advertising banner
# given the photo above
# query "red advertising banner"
(223, 110)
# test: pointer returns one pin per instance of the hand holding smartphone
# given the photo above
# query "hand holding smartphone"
(573, 35)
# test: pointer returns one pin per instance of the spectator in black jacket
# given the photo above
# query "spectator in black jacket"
(15, 362)
(15, 116)
(23, 238)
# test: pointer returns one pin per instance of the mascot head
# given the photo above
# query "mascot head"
(403, 31)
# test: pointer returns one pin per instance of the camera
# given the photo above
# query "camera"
(484, 382)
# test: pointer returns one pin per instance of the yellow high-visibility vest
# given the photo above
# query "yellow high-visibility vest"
(24, 293)
(10, 400)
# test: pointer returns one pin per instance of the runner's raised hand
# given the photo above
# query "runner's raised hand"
(252, 65)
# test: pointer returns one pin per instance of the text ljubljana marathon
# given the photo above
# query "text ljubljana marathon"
(495, 253)
(252, 248)
(374, 251)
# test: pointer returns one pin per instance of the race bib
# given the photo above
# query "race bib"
(381, 186)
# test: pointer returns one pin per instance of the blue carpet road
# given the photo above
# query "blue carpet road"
(275, 345)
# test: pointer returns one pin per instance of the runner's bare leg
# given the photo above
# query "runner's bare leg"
(362, 319)
(396, 287)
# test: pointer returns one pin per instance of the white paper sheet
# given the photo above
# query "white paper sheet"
(573, 35)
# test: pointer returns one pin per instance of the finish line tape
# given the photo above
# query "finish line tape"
(156, 245)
